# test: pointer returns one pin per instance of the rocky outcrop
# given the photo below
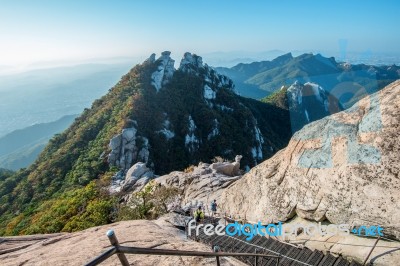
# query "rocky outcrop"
(200, 186)
(220, 107)
(193, 63)
(343, 169)
(190, 61)
(124, 151)
(123, 148)
(191, 141)
(81, 247)
(309, 102)
(151, 59)
(168, 126)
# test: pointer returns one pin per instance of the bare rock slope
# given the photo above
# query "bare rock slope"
(343, 169)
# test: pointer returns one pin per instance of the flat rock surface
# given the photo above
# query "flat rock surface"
(80, 247)
(351, 247)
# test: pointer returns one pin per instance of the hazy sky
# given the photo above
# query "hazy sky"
(46, 30)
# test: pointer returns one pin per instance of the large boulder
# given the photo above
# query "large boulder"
(343, 168)
(136, 171)
(137, 177)
(134, 180)
(227, 168)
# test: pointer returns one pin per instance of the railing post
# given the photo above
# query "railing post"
(255, 257)
(187, 229)
(278, 259)
(372, 249)
(114, 241)
(216, 250)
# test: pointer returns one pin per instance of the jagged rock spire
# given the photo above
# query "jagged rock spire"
(164, 71)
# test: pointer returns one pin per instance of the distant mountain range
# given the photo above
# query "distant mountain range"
(45, 95)
(21, 147)
(259, 79)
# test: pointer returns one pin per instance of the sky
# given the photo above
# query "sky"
(33, 31)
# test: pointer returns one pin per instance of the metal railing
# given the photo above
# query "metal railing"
(122, 250)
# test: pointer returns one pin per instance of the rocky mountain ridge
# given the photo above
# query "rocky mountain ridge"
(124, 151)
(166, 118)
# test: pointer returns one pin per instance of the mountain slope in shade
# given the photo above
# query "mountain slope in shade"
(21, 147)
(4, 173)
(167, 118)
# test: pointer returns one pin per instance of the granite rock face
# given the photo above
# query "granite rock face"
(165, 69)
(123, 148)
(343, 169)
(124, 151)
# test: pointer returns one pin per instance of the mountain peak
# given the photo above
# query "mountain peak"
(283, 58)
(151, 59)
(190, 61)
